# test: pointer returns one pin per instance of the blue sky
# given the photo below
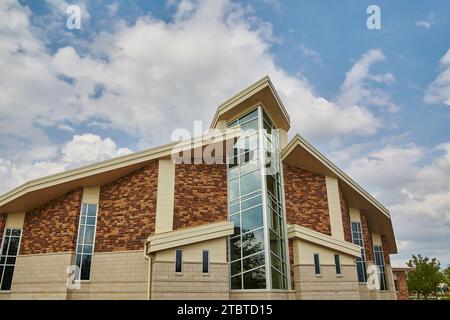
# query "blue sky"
(376, 102)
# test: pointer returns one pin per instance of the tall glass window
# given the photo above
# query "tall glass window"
(86, 239)
(379, 262)
(357, 237)
(257, 247)
(9, 251)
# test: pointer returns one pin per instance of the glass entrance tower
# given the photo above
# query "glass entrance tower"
(258, 247)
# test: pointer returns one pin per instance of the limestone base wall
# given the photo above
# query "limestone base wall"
(263, 295)
(40, 276)
(115, 275)
(327, 286)
(191, 283)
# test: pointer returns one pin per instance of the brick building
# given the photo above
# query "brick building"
(269, 218)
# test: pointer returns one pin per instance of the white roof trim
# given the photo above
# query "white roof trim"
(178, 238)
(299, 232)
(299, 141)
(115, 163)
(248, 92)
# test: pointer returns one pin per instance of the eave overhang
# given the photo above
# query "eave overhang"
(262, 93)
(298, 152)
(183, 237)
(295, 231)
(39, 191)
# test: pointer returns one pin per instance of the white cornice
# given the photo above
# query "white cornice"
(299, 232)
(178, 238)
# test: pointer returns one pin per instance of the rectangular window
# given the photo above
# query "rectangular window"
(379, 262)
(178, 260)
(86, 239)
(357, 237)
(337, 262)
(205, 261)
(316, 264)
(9, 251)
(396, 284)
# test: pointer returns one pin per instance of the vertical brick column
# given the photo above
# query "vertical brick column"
(402, 282)
(345, 218)
(367, 235)
(3, 217)
(291, 263)
(384, 244)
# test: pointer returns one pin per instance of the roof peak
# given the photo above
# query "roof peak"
(261, 92)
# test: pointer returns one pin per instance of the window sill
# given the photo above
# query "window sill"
(339, 276)
(5, 292)
(318, 276)
(179, 274)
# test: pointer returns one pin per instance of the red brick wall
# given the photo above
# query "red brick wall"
(345, 218)
(367, 235)
(127, 210)
(306, 199)
(291, 263)
(384, 244)
(3, 217)
(402, 282)
(200, 194)
(53, 226)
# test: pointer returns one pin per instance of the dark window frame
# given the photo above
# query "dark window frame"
(82, 246)
(7, 236)
(178, 261)
(205, 261)
(337, 262)
(381, 267)
(317, 268)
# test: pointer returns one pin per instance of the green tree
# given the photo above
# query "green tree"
(425, 277)
(446, 276)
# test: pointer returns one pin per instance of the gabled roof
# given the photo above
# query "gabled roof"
(298, 152)
(261, 92)
(295, 231)
(36, 192)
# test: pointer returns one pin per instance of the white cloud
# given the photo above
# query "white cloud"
(416, 191)
(423, 23)
(152, 77)
(355, 89)
(426, 23)
(310, 53)
(90, 148)
(438, 91)
(81, 150)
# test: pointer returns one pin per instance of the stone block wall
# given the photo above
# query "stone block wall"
(306, 199)
(40, 276)
(127, 210)
(52, 227)
(115, 275)
(200, 194)
(191, 283)
(327, 286)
